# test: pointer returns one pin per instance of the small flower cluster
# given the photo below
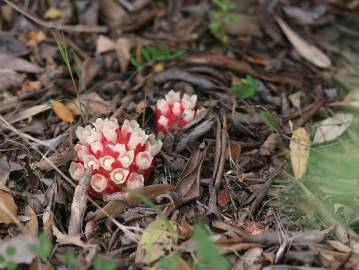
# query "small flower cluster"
(174, 111)
(120, 156)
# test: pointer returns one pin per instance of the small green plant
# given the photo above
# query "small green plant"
(102, 263)
(70, 258)
(63, 49)
(42, 248)
(151, 55)
(219, 19)
(247, 87)
(269, 119)
(210, 258)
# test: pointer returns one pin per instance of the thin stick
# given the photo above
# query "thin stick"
(50, 25)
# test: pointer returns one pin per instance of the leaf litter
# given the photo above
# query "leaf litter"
(260, 97)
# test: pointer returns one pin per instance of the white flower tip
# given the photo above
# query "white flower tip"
(188, 115)
(176, 109)
(126, 158)
(162, 106)
(90, 160)
(135, 180)
(110, 134)
(119, 176)
(163, 121)
(107, 123)
(98, 183)
(138, 137)
(96, 147)
(189, 102)
(173, 96)
(129, 126)
(106, 162)
(144, 160)
(154, 146)
(76, 170)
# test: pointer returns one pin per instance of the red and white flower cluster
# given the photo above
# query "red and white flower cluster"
(174, 111)
(120, 156)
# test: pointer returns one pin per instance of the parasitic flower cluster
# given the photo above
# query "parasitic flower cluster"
(121, 157)
(174, 111)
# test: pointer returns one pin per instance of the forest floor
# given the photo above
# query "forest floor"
(263, 176)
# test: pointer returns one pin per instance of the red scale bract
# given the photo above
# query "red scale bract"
(121, 157)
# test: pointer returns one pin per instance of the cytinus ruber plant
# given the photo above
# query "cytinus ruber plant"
(121, 157)
(174, 111)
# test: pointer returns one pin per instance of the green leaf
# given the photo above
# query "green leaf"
(170, 262)
(104, 264)
(269, 118)
(247, 87)
(43, 248)
(10, 251)
(210, 258)
(70, 257)
(11, 265)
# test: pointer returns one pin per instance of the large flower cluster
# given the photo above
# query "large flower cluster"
(120, 156)
(174, 111)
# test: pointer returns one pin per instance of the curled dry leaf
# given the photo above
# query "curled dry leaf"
(8, 208)
(157, 240)
(309, 52)
(187, 188)
(299, 152)
(130, 200)
(32, 226)
(233, 152)
(270, 144)
(332, 127)
(104, 44)
(62, 111)
(27, 113)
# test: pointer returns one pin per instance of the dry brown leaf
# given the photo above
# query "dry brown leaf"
(27, 113)
(187, 188)
(62, 111)
(339, 246)
(10, 79)
(104, 44)
(37, 265)
(269, 144)
(123, 47)
(223, 198)
(92, 103)
(8, 208)
(116, 207)
(233, 151)
(29, 87)
(4, 172)
(32, 226)
(18, 64)
(65, 239)
(299, 152)
(309, 52)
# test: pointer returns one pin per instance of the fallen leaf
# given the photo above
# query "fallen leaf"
(332, 127)
(4, 171)
(116, 207)
(90, 68)
(32, 226)
(233, 152)
(62, 111)
(339, 246)
(187, 188)
(65, 239)
(38, 265)
(299, 152)
(27, 113)
(305, 16)
(309, 52)
(269, 144)
(10, 45)
(8, 208)
(295, 100)
(28, 87)
(92, 103)
(123, 47)
(113, 14)
(104, 44)
(223, 198)
(18, 64)
(10, 79)
(350, 101)
(157, 240)
(21, 245)
(53, 13)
